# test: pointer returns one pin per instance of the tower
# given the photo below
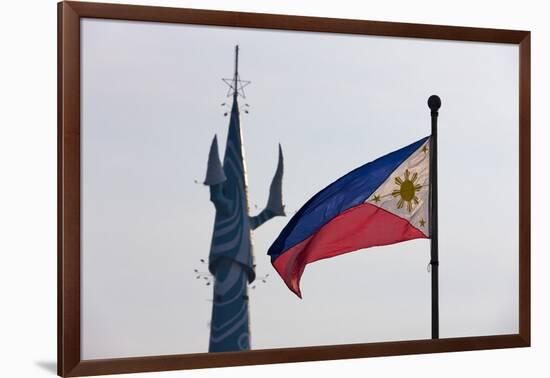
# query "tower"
(231, 259)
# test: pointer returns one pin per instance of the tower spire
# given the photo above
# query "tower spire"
(236, 76)
(231, 258)
(235, 84)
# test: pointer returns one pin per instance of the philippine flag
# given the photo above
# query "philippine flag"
(382, 202)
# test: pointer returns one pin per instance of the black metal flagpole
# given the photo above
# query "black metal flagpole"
(434, 103)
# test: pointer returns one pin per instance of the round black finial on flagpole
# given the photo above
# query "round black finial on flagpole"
(434, 103)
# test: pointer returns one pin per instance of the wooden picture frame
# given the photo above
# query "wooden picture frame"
(70, 14)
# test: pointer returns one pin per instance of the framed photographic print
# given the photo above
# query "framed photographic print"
(240, 188)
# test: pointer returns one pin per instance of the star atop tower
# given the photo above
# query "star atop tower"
(236, 85)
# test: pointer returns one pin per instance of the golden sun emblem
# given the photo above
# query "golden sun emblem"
(407, 190)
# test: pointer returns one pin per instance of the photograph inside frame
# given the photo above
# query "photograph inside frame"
(247, 189)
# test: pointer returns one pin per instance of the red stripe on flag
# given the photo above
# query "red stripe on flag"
(360, 227)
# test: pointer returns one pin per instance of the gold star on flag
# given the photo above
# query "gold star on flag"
(425, 148)
(422, 222)
(376, 198)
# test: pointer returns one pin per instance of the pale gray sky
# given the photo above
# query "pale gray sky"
(151, 96)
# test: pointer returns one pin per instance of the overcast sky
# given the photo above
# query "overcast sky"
(151, 96)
